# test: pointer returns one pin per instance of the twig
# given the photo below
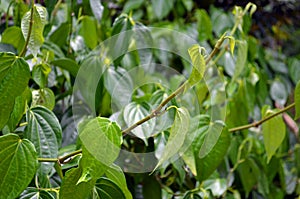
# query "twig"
(29, 31)
(255, 124)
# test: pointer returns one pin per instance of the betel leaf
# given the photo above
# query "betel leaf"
(14, 78)
(67, 64)
(204, 25)
(102, 139)
(177, 136)
(39, 18)
(40, 74)
(198, 64)
(44, 130)
(297, 100)
(60, 35)
(206, 165)
(69, 186)
(36, 193)
(241, 58)
(13, 35)
(97, 9)
(88, 31)
(279, 92)
(133, 113)
(115, 174)
(274, 131)
(151, 187)
(18, 164)
(43, 97)
(161, 8)
(105, 188)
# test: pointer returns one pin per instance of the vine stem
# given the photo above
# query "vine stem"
(62, 159)
(255, 124)
(29, 31)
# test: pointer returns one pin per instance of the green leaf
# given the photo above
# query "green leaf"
(69, 186)
(44, 130)
(43, 97)
(199, 65)
(67, 64)
(151, 187)
(133, 113)
(161, 8)
(241, 58)
(102, 139)
(212, 136)
(177, 136)
(40, 74)
(60, 35)
(278, 92)
(39, 21)
(13, 35)
(35, 193)
(274, 131)
(14, 78)
(105, 188)
(88, 31)
(208, 164)
(297, 100)
(97, 9)
(18, 164)
(231, 44)
(204, 25)
(115, 174)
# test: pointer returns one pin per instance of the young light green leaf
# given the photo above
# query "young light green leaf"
(18, 164)
(102, 139)
(297, 100)
(44, 131)
(198, 64)
(231, 43)
(241, 58)
(88, 31)
(14, 78)
(133, 113)
(43, 97)
(177, 136)
(204, 25)
(161, 8)
(13, 35)
(212, 136)
(39, 19)
(67, 64)
(274, 131)
(40, 74)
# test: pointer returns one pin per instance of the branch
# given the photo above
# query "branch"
(255, 124)
(62, 159)
(29, 32)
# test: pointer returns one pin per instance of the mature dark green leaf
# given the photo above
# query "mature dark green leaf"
(102, 139)
(18, 164)
(44, 131)
(71, 187)
(208, 164)
(297, 100)
(133, 113)
(204, 25)
(67, 64)
(151, 187)
(199, 65)
(60, 35)
(107, 189)
(40, 74)
(35, 193)
(36, 37)
(241, 58)
(177, 136)
(294, 69)
(274, 131)
(130, 5)
(161, 8)
(191, 195)
(43, 97)
(14, 78)
(88, 31)
(13, 35)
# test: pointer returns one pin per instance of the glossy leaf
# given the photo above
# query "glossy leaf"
(35, 193)
(177, 136)
(274, 131)
(199, 65)
(105, 188)
(44, 130)
(102, 139)
(161, 8)
(60, 35)
(40, 74)
(297, 100)
(204, 25)
(133, 113)
(18, 164)
(97, 9)
(43, 97)
(14, 78)
(279, 92)
(13, 35)
(36, 37)
(88, 31)
(67, 64)
(241, 58)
